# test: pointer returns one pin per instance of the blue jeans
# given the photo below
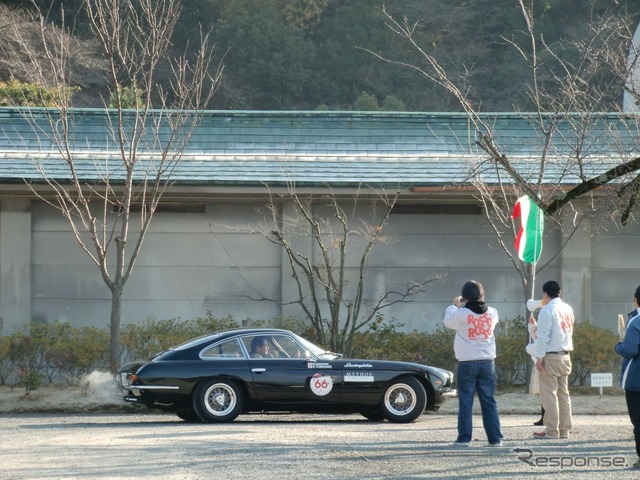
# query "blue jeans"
(477, 376)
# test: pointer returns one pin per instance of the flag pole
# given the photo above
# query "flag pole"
(533, 280)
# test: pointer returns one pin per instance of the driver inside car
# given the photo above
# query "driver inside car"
(259, 348)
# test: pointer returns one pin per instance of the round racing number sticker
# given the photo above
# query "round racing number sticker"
(321, 384)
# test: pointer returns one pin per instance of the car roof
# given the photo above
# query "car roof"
(249, 331)
(230, 333)
(222, 335)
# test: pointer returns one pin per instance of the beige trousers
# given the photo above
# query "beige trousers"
(554, 394)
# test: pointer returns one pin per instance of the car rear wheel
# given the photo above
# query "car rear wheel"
(218, 401)
(404, 400)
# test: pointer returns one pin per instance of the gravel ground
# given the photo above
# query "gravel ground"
(87, 432)
(285, 447)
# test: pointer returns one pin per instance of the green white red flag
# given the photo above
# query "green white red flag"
(529, 237)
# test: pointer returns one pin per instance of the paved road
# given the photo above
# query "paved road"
(283, 447)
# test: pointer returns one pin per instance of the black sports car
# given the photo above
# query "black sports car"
(216, 377)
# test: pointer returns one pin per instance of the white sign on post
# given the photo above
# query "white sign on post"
(602, 380)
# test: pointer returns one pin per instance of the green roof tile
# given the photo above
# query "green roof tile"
(310, 148)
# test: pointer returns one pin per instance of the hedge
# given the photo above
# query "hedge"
(59, 353)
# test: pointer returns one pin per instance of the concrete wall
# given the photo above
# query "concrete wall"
(15, 264)
(614, 273)
(192, 263)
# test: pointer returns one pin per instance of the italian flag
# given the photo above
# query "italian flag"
(529, 237)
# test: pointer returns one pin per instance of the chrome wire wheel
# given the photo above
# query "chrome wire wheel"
(404, 400)
(220, 399)
(400, 399)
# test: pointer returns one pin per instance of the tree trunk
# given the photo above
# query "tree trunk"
(114, 328)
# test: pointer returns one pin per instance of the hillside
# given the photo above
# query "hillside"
(298, 55)
(21, 49)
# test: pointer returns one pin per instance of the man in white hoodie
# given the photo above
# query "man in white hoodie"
(552, 350)
(475, 349)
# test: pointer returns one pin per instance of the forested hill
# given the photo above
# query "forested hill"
(309, 54)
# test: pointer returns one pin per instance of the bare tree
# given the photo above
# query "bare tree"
(329, 268)
(110, 214)
(566, 125)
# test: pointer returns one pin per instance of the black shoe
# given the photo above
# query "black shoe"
(541, 421)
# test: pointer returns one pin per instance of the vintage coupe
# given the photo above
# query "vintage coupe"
(216, 377)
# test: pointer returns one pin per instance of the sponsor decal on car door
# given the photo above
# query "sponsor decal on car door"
(292, 380)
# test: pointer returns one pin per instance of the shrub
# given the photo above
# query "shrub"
(366, 102)
(17, 93)
(593, 353)
(511, 357)
(26, 352)
(383, 340)
(393, 104)
(144, 341)
(80, 351)
(7, 368)
(51, 350)
(152, 336)
(47, 339)
(42, 351)
(30, 380)
(131, 96)
(209, 323)
(438, 349)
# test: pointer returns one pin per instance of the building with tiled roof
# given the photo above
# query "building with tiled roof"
(200, 255)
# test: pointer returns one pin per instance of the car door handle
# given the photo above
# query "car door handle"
(258, 370)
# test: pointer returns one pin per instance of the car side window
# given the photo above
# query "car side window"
(272, 346)
(286, 347)
(258, 346)
(228, 349)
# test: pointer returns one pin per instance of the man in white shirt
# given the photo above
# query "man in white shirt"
(552, 350)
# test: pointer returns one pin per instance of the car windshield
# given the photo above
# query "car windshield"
(316, 350)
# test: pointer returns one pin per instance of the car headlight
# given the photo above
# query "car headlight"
(440, 378)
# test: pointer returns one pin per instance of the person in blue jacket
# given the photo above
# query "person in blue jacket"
(629, 349)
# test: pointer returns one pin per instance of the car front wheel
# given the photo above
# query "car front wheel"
(218, 401)
(404, 400)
